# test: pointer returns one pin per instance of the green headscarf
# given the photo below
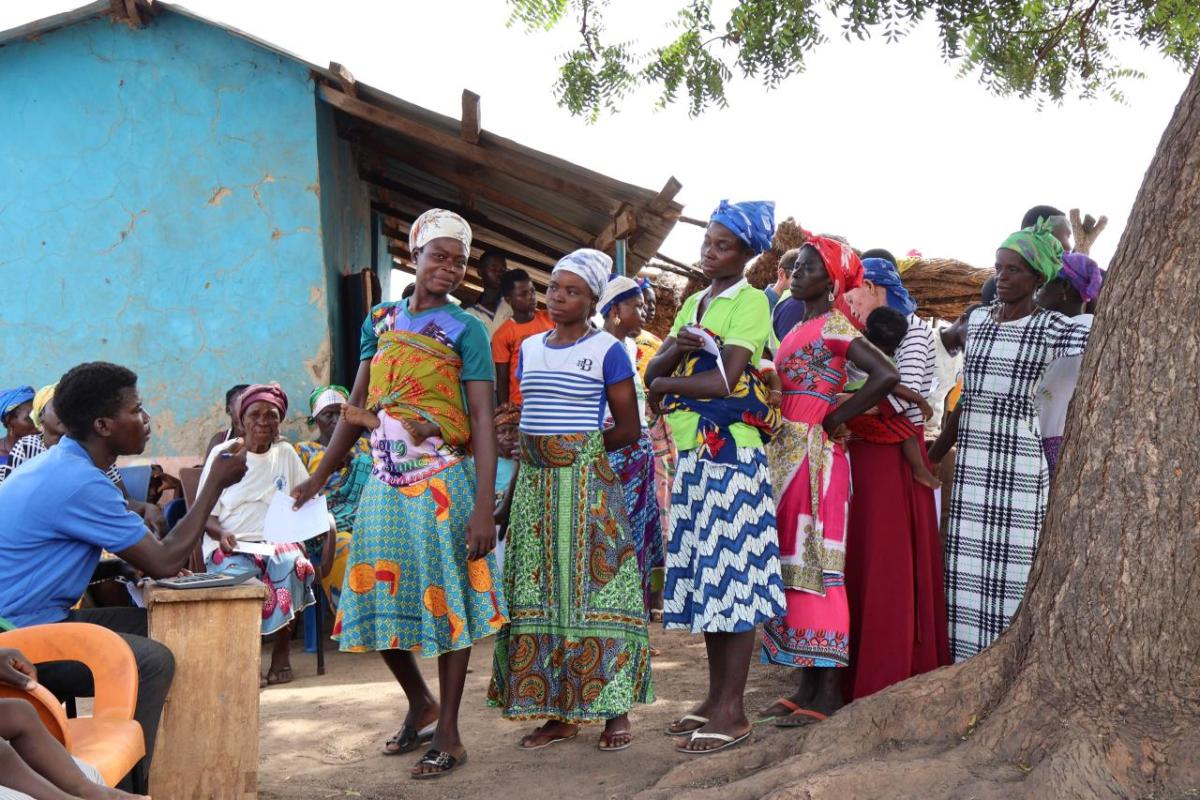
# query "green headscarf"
(1039, 247)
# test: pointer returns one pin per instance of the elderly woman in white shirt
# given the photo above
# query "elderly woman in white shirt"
(240, 515)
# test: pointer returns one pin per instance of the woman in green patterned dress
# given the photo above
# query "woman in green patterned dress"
(576, 649)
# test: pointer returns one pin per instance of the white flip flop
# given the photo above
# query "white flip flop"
(687, 718)
(729, 741)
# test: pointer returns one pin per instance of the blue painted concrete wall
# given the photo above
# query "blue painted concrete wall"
(345, 229)
(160, 208)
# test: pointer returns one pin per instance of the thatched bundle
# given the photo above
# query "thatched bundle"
(670, 290)
(942, 287)
(763, 271)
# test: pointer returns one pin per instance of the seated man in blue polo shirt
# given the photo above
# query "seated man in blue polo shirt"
(60, 510)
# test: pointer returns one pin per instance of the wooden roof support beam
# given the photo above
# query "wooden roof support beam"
(662, 202)
(474, 217)
(519, 167)
(482, 241)
(348, 84)
(473, 184)
(622, 226)
(132, 12)
(472, 122)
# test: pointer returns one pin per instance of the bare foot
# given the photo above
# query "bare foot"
(550, 733)
(359, 416)
(420, 430)
(926, 478)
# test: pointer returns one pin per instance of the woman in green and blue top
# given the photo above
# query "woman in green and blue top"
(723, 576)
(421, 576)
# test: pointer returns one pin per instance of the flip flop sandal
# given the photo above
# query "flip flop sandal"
(522, 746)
(443, 762)
(408, 739)
(800, 718)
(686, 718)
(609, 749)
(276, 677)
(787, 703)
(729, 741)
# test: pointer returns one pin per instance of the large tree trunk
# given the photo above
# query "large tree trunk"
(1094, 692)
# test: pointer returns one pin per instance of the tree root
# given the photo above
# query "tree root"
(987, 729)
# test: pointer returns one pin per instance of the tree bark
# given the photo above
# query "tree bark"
(1094, 691)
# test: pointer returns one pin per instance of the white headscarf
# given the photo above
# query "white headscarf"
(591, 265)
(328, 397)
(436, 223)
(617, 289)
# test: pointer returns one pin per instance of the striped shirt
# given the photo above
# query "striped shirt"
(565, 388)
(915, 362)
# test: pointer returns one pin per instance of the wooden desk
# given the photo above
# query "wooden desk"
(207, 745)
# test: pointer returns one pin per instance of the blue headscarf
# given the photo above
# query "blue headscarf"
(882, 272)
(752, 221)
(10, 399)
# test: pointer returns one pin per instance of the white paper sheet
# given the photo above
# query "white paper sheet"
(255, 548)
(284, 526)
(710, 346)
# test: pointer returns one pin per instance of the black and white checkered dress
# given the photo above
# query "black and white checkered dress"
(1000, 477)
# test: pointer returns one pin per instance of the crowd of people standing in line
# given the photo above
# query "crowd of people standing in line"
(770, 466)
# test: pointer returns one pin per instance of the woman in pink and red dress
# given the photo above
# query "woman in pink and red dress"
(811, 478)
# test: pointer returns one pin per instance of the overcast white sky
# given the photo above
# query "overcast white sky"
(878, 142)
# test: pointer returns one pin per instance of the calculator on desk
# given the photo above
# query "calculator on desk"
(207, 580)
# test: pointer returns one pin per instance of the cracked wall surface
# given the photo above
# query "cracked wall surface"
(157, 210)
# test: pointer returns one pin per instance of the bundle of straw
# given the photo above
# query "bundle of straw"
(943, 287)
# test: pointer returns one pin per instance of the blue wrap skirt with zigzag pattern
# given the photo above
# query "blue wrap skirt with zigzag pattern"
(723, 555)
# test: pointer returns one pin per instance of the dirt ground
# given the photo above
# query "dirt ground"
(321, 736)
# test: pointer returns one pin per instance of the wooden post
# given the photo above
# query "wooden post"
(472, 120)
(622, 251)
(207, 745)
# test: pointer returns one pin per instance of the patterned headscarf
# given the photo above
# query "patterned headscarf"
(618, 290)
(261, 393)
(752, 221)
(507, 414)
(40, 401)
(1039, 247)
(882, 272)
(1084, 274)
(436, 223)
(12, 399)
(325, 396)
(591, 265)
(841, 262)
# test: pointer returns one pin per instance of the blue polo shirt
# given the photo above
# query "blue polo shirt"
(57, 512)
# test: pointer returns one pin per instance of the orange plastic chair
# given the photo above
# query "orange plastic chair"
(110, 740)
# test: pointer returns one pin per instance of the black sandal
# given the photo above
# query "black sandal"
(408, 739)
(442, 761)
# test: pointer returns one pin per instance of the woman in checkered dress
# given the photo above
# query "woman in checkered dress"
(1000, 478)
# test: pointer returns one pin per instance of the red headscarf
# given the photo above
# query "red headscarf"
(262, 393)
(844, 267)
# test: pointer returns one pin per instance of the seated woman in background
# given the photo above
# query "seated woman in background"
(48, 430)
(15, 405)
(235, 425)
(344, 487)
(240, 513)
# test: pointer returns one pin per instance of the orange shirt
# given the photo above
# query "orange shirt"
(506, 346)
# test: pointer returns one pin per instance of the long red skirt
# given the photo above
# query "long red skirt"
(894, 580)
